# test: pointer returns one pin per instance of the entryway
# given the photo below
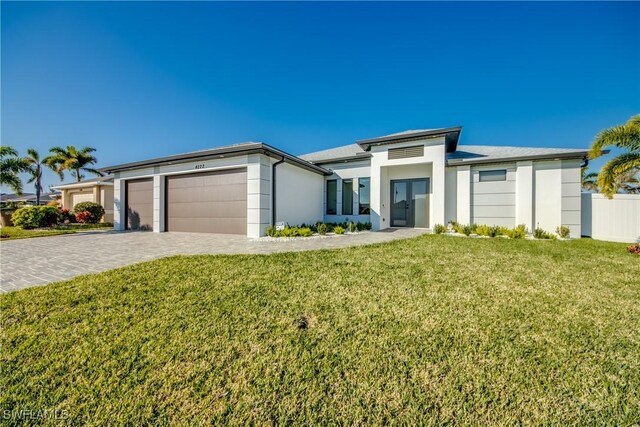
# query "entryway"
(410, 203)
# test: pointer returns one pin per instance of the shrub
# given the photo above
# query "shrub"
(288, 232)
(95, 210)
(467, 230)
(322, 228)
(53, 203)
(305, 232)
(539, 233)
(563, 231)
(338, 230)
(457, 227)
(520, 232)
(483, 230)
(352, 227)
(271, 231)
(634, 249)
(66, 216)
(84, 217)
(35, 216)
(439, 229)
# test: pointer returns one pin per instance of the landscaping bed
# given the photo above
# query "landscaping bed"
(429, 330)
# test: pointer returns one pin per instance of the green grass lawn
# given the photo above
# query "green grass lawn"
(430, 330)
(13, 233)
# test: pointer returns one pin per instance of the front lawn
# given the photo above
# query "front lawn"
(422, 331)
(13, 233)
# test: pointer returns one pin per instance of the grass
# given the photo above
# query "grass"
(13, 233)
(430, 330)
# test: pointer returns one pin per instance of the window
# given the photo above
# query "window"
(363, 196)
(332, 196)
(497, 175)
(347, 197)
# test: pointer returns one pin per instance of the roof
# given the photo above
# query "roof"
(451, 135)
(474, 154)
(29, 197)
(344, 153)
(101, 180)
(226, 151)
(4, 197)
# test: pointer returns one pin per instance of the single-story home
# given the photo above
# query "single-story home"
(97, 190)
(415, 178)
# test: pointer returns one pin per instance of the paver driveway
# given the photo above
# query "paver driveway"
(30, 262)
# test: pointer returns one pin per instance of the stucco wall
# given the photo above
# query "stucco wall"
(299, 195)
(548, 195)
(494, 202)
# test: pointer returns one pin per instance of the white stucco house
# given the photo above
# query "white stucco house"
(416, 178)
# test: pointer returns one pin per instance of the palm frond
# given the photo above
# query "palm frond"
(608, 178)
(6, 151)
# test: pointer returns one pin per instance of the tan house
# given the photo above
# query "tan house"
(97, 190)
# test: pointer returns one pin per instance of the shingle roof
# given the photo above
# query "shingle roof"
(467, 154)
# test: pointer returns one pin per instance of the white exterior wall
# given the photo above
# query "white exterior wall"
(571, 190)
(494, 202)
(349, 170)
(299, 195)
(451, 195)
(524, 194)
(463, 185)
(616, 219)
(384, 170)
(548, 195)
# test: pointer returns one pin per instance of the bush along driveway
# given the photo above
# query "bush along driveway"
(430, 330)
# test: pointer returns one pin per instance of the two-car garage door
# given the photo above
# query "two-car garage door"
(207, 202)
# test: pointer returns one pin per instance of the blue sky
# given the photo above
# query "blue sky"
(141, 80)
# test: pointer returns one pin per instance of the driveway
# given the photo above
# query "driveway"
(38, 261)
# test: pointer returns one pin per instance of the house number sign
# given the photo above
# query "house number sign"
(200, 166)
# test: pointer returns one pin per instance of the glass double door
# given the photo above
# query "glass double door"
(410, 203)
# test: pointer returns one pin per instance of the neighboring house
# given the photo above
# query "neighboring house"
(97, 190)
(29, 198)
(410, 179)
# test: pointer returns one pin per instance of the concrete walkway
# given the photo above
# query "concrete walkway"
(38, 261)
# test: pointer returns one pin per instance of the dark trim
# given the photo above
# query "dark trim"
(229, 151)
(557, 156)
(273, 190)
(357, 157)
(452, 135)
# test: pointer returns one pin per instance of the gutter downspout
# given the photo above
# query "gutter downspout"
(273, 190)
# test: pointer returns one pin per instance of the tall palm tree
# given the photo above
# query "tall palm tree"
(10, 166)
(73, 160)
(627, 137)
(34, 168)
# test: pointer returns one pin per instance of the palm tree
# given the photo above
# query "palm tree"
(73, 160)
(34, 168)
(10, 166)
(589, 180)
(627, 137)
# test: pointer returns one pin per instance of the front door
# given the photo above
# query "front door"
(410, 203)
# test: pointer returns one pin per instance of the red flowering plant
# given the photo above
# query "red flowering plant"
(83, 217)
(634, 249)
(66, 216)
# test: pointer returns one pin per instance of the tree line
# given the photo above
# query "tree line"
(59, 160)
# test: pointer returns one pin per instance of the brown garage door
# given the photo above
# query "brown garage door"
(208, 202)
(139, 196)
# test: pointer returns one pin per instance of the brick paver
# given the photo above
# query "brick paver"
(38, 261)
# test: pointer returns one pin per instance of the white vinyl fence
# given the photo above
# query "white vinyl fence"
(616, 219)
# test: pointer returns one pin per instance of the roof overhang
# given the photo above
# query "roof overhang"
(82, 185)
(349, 159)
(551, 156)
(451, 137)
(219, 153)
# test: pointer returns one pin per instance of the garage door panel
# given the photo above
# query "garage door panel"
(211, 225)
(80, 197)
(207, 210)
(235, 192)
(139, 197)
(209, 202)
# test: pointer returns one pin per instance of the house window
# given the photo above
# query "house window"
(347, 197)
(497, 175)
(332, 196)
(363, 196)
